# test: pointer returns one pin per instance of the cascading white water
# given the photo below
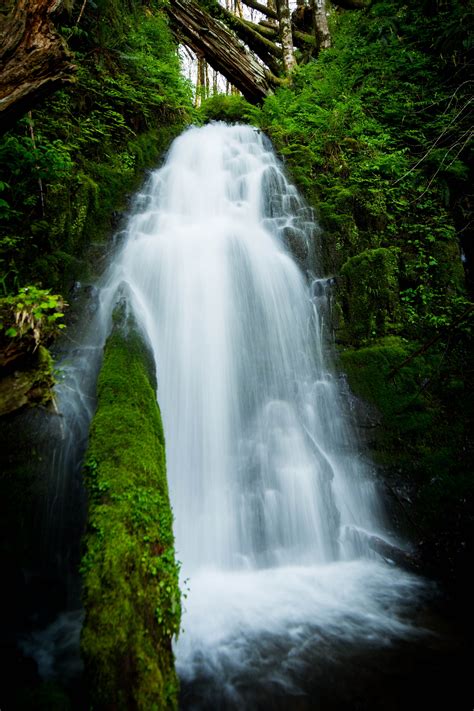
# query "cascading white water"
(256, 444)
(273, 506)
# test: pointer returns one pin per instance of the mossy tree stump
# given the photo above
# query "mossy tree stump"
(130, 576)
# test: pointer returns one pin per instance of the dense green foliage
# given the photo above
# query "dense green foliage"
(369, 292)
(130, 577)
(229, 108)
(377, 134)
(68, 167)
(422, 438)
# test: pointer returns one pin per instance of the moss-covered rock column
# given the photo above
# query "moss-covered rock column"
(130, 576)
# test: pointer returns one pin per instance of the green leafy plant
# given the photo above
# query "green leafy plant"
(33, 315)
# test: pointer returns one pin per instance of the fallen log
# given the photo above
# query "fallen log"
(394, 553)
(222, 49)
(269, 52)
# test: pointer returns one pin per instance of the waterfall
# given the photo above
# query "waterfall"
(260, 466)
(273, 504)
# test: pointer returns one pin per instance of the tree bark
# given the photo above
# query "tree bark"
(286, 37)
(34, 59)
(223, 50)
(266, 50)
(200, 80)
(208, 83)
(321, 28)
(238, 10)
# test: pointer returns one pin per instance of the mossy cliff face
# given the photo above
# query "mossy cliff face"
(369, 292)
(420, 438)
(130, 576)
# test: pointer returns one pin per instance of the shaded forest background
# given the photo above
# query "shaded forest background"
(377, 132)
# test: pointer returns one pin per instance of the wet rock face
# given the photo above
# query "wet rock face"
(26, 380)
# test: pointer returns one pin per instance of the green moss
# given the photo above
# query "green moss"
(46, 696)
(131, 592)
(423, 440)
(232, 109)
(369, 291)
(420, 434)
(369, 370)
(404, 435)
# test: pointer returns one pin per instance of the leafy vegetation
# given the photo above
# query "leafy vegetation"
(68, 167)
(33, 314)
(229, 108)
(376, 133)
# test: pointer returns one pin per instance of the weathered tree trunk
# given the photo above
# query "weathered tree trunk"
(271, 8)
(222, 49)
(198, 95)
(321, 28)
(34, 60)
(238, 10)
(302, 20)
(286, 37)
(208, 83)
(266, 50)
